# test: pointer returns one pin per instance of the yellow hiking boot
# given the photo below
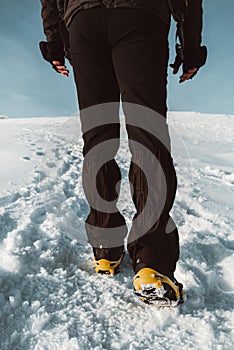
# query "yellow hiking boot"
(155, 288)
(107, 261)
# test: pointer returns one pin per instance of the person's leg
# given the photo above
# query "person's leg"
(140, 58)
(97, 85)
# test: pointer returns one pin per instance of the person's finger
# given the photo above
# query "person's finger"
(185, 77)
(192, 70)
(56, 63)
(64, 72)
(188, 75)
(61, 67)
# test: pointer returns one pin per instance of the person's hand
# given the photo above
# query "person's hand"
(187, 75)
(60, 68)
(191, 59)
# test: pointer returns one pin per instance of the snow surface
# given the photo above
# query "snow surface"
(50, 297)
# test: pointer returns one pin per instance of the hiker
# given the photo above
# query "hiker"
(119, 49)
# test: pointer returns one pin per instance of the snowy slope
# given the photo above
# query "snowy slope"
(50, 297)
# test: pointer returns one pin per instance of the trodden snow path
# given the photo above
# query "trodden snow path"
(50, 297)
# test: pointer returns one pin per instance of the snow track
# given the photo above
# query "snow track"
(50, 297)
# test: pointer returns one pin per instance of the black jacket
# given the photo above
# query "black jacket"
(159, 7)
(57, 14)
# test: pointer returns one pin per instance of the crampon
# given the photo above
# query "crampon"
(156, 289)
(108, 267)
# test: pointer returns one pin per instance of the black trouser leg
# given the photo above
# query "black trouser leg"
(140, 58)
(96, 85)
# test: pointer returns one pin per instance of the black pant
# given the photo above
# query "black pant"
(124, 52)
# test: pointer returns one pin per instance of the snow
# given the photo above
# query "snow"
(50, 297)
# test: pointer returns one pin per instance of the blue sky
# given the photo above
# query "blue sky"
(29, 87)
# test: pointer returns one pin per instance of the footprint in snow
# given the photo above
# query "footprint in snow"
(4, 201)
(38, 215)
(26, 158)
(40, 153)
(193, 212)
(7, 224)
(51, 165)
